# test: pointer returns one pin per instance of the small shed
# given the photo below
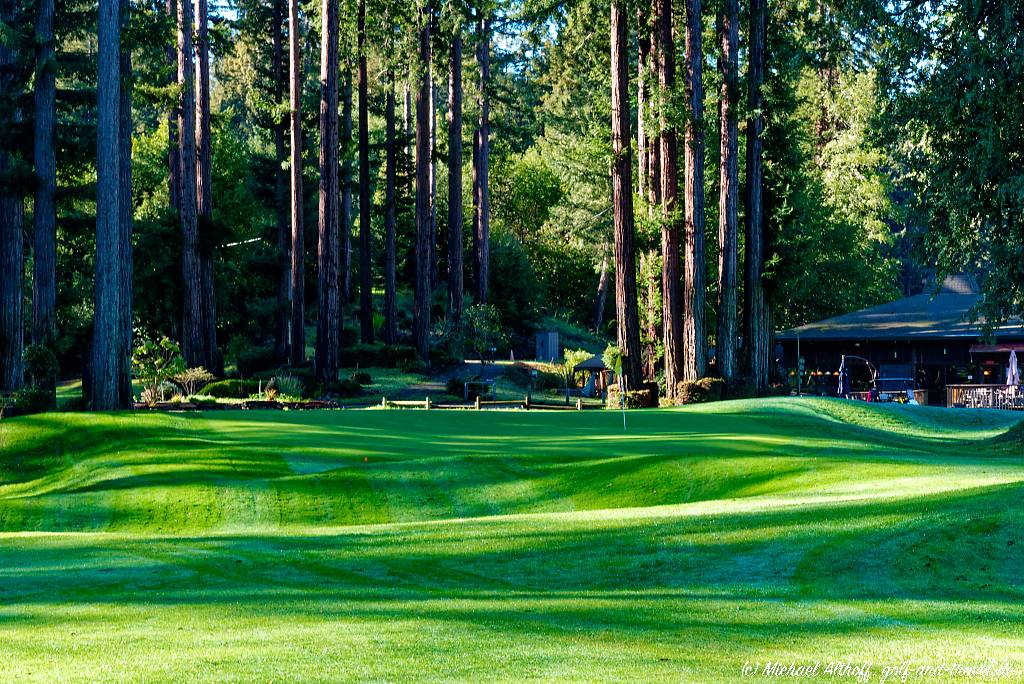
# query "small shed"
(596, 376)
(548, 348)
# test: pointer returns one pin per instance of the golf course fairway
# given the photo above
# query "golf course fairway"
(697, 545)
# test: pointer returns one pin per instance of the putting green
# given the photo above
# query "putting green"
(481, 546)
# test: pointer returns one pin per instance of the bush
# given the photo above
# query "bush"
(414, 366)
(377, 355)
(645, 397)
(442, 357)
(344, 388)
(740, 387)
(40, 364)
(482, 330)
(231, 389)
(31, 400)
(455, 387)
(699, 391)
(155, 362)
(252, 360)
(284, 385)
(362, 377)
(194, 379)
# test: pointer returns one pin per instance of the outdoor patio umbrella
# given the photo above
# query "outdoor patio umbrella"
(1012, 374)
(844, 379)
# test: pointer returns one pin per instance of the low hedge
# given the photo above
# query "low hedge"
(645, 397)
(231, 389)
(378, 355)
(699, 391)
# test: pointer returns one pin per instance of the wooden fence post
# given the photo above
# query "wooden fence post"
(427, 403)
(478, 402)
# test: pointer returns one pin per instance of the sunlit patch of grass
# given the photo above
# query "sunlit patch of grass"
(414, 545)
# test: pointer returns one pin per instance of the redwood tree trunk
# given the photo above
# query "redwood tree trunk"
(365, 247)
(124, 238)
(455, 179)
(672, 318)
(757, 337)
(204, 191)
(12, 238)
(328, 322)
(346, 187)
(628, 322)
(421, 305)
(694, 334)
(44, 252)
(648, 148)
(433, 187)
(728, 200)
(391, 171)
(173, 160)
(193, 335)
(284, 277)
(602, 293)
(111, 337)
(481, 158)
(297, 335)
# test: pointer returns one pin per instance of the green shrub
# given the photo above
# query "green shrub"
(344, 388)
(377, 355)
(40, 364)
(482, 330)
(414, 366)
(194, 379)
(699, 391)
(645, 397)
(232, 389)
(31, 400)
(285, 385)
(740, 387)
(156, 362)
(442, 357)
(251, 360)
(362, 377)
(455, 387)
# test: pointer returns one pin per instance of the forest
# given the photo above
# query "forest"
(310, 185)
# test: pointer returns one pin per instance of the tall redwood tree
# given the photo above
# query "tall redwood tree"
(728, 199)
(328, 325)
(193, 333)
(455, 177)
(297, 333)
(628, 322)
(421, 303)
(481, 164)
(757, 328)
(672, 319)
(694, 277)
(365, 197)
(204, 190)
(44, 250)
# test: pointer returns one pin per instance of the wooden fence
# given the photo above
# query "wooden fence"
(526, 403)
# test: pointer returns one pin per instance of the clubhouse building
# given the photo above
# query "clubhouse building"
(928, 341)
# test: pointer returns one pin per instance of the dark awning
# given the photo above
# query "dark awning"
(594, 363)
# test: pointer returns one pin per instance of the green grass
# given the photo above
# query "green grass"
(482, 546)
